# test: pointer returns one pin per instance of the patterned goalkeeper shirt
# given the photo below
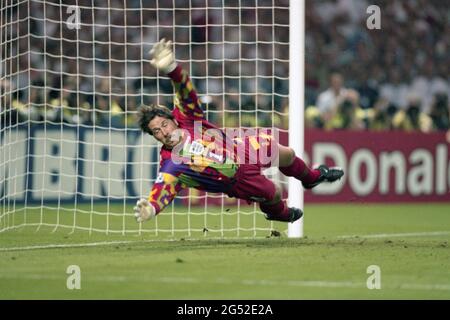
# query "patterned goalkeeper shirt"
(204, 159)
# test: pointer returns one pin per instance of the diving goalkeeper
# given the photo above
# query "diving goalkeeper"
(196, 154)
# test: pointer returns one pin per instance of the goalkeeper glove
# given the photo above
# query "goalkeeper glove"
(163, 57)
(144, 210)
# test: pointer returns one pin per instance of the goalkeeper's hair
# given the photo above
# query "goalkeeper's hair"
(148, 113)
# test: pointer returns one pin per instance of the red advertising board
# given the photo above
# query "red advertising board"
(381, 166)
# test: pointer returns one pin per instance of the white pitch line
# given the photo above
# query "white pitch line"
(222, 281)
(108, 243)
(388, 235)
(75, 245)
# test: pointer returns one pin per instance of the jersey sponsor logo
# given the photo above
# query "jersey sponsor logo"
(196, 148)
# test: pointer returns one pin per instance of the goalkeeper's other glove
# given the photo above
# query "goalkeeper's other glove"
(144, 210)
(163, 57)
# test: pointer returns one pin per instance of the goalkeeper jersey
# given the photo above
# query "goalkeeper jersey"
(205, 159)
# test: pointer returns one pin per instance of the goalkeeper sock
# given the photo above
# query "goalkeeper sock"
(300, 171)
(278, 211)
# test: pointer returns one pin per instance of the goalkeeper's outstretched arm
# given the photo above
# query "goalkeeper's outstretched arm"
(163, 192)
(186, 100)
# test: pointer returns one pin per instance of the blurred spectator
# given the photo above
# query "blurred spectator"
(440, 112)
(427, 84)
(367, 89)
(381, 116)
(329, 100)
(412, 118)
(395, 91)
(349, 114)
(313, 118)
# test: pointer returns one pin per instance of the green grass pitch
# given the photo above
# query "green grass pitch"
(409, 243)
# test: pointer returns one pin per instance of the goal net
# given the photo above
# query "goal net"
(73, 74)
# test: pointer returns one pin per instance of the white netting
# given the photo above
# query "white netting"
(73, 74)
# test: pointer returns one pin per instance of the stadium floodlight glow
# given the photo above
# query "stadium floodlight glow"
(72, 158)
(296, 103)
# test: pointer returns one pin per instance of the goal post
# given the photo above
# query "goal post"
(296, 103)
(72, 74)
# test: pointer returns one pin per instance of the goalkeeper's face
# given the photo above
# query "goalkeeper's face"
(165, 131)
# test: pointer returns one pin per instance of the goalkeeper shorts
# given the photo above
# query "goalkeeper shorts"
(251, 185)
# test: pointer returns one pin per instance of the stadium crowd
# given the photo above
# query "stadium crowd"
(356, 78)
(393, 78)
